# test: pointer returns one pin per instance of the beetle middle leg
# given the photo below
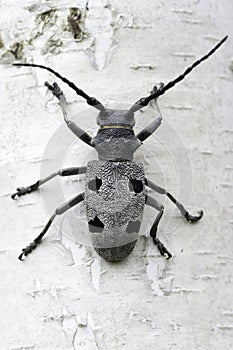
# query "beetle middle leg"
(21, 191)
(150, 201)
(60, 210)
(184, 212)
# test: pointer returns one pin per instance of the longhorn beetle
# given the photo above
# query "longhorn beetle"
(115, 192)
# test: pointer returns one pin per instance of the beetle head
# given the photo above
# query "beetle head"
(116, 117)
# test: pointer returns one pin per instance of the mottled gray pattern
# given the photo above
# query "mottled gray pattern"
(114, 204)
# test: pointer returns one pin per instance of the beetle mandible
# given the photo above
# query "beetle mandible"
(115, 192)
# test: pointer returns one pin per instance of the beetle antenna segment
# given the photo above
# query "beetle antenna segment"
(145, 100)
(92, 101)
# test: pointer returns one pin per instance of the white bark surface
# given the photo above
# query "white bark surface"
(63, 296)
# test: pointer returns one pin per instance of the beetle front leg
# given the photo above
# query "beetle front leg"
(156, 91)
(57, 92)
(148, 131)
(153, 232)
(60, 210)
(152, 127)
(21, 191)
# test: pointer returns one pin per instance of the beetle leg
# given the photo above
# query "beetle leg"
(143, 102)
(21, 191)
(153, 232)
(56, 91)
(60, 210)
(152, 127)
(148, 131)
(184, 212)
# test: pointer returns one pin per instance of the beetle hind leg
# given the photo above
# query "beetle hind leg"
(60, 210)
(153, 232)
(37, 240)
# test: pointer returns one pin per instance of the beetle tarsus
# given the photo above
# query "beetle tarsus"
(21, 191)
(157, 88)
(162, 249)
(193, 219)
(60, 210)
(28, 249)
(55, 89)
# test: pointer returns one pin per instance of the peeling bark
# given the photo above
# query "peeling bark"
(63, 296)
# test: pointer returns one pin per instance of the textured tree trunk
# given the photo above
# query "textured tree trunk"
(64, 296)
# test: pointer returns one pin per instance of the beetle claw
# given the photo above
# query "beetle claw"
(193, 219)
(55, 89)
(157, 88)
(14, 195)
(21, 191)
(162, 249)
(27, 250)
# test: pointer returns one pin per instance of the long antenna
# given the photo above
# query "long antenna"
(145, 100)
(92, 101)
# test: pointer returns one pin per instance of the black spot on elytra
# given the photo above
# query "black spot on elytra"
(95, 184)
(135, 185)
(96, 225)
(133, 226)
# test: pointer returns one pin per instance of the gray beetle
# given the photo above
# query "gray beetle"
(115, 190)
